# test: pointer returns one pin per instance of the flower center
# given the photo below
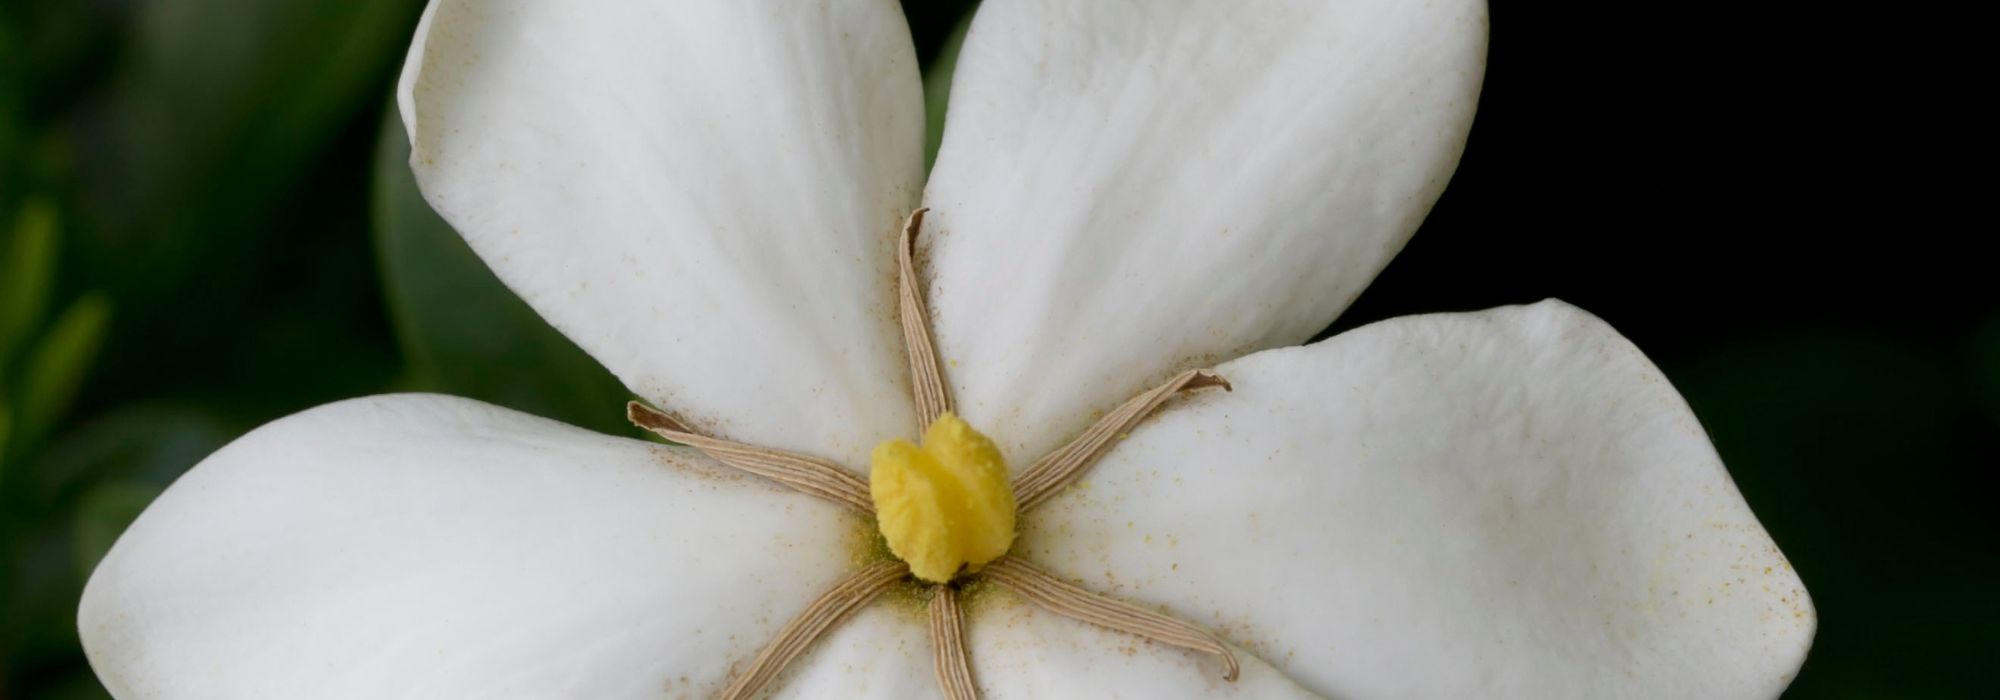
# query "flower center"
(945, 507)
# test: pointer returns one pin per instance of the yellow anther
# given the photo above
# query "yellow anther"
(946, 507)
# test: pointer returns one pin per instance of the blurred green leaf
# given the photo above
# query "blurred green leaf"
(148, 443)
(937, 88)
(25, 275)
(215, 162)
(6, 431)
(57, 366)
(463, 332)
(101, 516)
(222, 103)
(87, 486)
(13, 97)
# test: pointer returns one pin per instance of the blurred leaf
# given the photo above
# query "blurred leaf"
(222, 102)
(25, 275)
(145, 443)
(90, 483)
(463, 331)
(13, 96)
(40, 614)
(6, 431)
(937, 87)
(101, 516)
(213, 165)
(57, 366)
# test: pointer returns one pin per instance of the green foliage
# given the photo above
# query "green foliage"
(6, 436)
(461, 330)
(55, 369)
(29, 259)
(101, 515)
(27, 252)
(234, 125)
(222, 104)
(40, 369)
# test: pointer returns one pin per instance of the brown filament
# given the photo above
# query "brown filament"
(1070, 600)
(1045, 478)
(953, 665)
(812, 475)
(1050, 474)
(926, 376)
(832, 607)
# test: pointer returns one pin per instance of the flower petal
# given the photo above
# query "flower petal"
(1507, 504)
(433, 547)
(704, 195)
(883, 652)
(1021, 651)
(1128, 189)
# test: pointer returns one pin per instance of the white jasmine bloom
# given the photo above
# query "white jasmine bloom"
(706, 196)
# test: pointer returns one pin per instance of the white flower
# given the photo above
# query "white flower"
(705, 195)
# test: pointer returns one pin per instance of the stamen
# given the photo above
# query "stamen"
(1051, 474)
(1063, 598)
(945, 508)
(926, 377)
(811, 475)
(1044, 478)
(846, 597)
(953, 665)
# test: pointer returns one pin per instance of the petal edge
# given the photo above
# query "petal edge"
(426, 546)
(1507, 504)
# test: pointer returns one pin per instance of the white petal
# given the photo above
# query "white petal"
(1128, 189)
(1021, 651)
(704, 195)
(1507, 504)
(433, 547)
(883, 652)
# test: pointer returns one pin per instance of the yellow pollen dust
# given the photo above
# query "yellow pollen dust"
(945, 507)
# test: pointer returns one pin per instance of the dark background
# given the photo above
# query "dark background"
(204, 225)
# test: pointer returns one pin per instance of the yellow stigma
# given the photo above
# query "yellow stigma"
(945, 507)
